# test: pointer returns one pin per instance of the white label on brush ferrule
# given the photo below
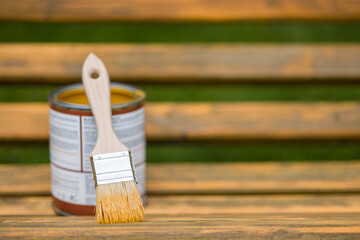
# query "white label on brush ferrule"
(112, 168)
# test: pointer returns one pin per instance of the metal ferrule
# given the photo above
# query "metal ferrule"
(113, 168)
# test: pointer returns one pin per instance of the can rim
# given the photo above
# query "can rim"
(139, 98)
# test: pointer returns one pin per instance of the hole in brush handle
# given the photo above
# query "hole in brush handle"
(94, 74)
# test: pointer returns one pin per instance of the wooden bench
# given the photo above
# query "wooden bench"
(313, 200)
(234, 201)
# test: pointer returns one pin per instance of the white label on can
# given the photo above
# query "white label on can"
(72, 139)
(65, 140)
(141, 177)
(72, 187)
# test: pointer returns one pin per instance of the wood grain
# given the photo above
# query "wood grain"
(210, 121)
(186, 10)
(254, 178)
(183, 63)
(25, 179)
(286, 226)
(24, 121)
(188, 205)
(296, 216)
(211, 178)
(98, 93)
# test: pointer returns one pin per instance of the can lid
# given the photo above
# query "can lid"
(139, 96)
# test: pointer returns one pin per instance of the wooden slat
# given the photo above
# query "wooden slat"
(186, 10)
(185, 205)
(245, 178)
(210, 178)
(36, 206)
(25, 179)
(300, 226)
(325, 216)
(210, 121)
(183, 63)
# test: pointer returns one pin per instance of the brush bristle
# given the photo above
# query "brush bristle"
(118, 203)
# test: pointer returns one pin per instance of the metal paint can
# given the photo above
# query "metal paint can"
(73, 136)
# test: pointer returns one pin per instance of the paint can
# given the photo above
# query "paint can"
(73, 136)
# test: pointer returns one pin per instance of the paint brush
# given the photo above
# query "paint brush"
(117, 196)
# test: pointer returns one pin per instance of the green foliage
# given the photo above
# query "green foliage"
(204, 152)
(179, 33)
(205, 92)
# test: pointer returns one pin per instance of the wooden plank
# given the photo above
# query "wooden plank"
(28, 121)
(35, 206)
(254, 178)
(187, 205)
(184, 62)
(25, 179)
(210, 121)
(299, 226)
(186, 10)
(210, 178)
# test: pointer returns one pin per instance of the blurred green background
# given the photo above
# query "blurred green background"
(264, 32)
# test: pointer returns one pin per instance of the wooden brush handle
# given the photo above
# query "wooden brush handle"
(97, 87)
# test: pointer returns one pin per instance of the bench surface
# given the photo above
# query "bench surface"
(184, 63)
(312, 200)
(230, 200)
(210, 121)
